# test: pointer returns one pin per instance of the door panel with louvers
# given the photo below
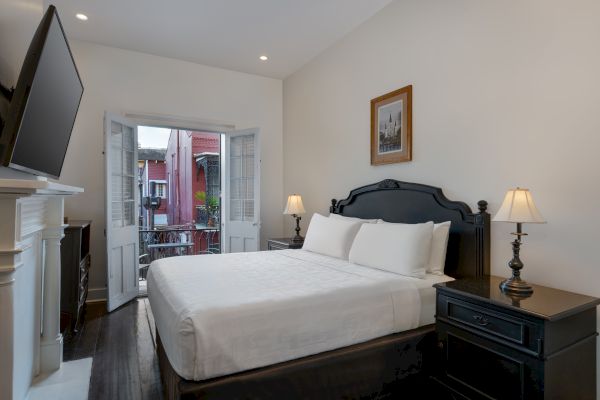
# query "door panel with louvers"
(242, 188)
(242, 178)
(121, 205)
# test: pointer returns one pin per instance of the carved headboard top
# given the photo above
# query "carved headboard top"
(468, 252)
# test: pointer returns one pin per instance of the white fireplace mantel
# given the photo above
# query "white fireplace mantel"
(31, 228)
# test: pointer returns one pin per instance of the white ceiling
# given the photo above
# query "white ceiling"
(229, 34)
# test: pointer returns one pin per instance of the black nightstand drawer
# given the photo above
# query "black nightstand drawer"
(477, 368)
(496, 346)
(497, 325)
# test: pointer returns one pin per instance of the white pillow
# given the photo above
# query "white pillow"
(400, 248)
(354, 219)
(330, 236)
(439, 247)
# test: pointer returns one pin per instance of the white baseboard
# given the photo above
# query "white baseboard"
(96, 295)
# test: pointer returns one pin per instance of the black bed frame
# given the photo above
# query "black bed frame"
(381, 367)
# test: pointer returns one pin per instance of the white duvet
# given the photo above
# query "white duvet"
(221, 314)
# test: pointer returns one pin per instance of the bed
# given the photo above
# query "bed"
(296, 324)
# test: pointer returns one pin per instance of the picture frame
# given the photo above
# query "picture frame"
(391, 127)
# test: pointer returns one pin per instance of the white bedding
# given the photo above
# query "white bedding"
(221, 314)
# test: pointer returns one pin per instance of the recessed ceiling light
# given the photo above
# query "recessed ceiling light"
(263, 58)
(81, 17)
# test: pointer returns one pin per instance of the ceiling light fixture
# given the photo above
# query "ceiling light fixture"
(81, 17)
(263, 58)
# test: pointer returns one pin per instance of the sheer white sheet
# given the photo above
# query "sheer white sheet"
(221, 314)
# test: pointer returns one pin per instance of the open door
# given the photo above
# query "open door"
(241, 184)
(120, 157)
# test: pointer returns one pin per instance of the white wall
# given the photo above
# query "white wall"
(121, 80)
(18, 22)
(505, 93)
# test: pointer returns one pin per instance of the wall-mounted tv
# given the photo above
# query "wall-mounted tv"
(43, 106)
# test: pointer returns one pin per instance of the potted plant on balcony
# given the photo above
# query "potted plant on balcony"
(212, 205)
(201, 212)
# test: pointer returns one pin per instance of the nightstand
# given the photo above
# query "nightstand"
(282, 244)
(498, 347)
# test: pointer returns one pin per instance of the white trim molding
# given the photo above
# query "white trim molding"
(32, 227)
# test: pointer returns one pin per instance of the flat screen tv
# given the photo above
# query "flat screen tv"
(43, 106)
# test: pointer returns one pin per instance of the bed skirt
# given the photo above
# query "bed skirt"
(393, 365)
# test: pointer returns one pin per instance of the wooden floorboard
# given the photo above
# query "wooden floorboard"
(83, 344)
(122, 344)
(147, 358)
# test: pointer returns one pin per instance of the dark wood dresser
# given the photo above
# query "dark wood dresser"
(75, 267)
(493, 346)
(282, 244)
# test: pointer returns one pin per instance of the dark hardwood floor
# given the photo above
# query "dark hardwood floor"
(122, 344)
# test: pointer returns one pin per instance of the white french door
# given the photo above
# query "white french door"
(241, 183)
(120, 156)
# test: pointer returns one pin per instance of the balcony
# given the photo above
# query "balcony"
(175, 240)
(178, 240)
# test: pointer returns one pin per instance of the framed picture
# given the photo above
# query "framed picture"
(391, 127)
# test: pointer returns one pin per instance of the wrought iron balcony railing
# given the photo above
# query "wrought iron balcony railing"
(178, 240)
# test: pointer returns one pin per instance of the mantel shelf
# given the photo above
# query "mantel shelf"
(33, 186)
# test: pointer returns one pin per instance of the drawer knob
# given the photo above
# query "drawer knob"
(481, 320)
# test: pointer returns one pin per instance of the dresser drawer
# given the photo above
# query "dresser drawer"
(495, 325)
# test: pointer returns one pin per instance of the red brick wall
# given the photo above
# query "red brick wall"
(157, 170)
(205, 142)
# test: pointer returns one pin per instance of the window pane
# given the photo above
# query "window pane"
(116, 127)
(128, 138)
(116, 158)
(117, 188)
(128, 188)
(236, 146)
(236, 210)
(128, 214)
(129, 163)
(117, 214)
(249, 210)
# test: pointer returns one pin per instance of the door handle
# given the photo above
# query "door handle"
(256, 224)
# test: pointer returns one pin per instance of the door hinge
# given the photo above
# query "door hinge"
(105, 232)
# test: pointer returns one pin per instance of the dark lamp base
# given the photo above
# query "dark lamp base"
(297, 239)
(516, 286)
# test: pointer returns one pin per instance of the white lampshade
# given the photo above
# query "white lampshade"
(518, 206)
(294, 205)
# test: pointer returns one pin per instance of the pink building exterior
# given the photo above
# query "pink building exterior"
(185, 174)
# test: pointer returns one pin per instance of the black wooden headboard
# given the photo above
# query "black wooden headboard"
(394, 201)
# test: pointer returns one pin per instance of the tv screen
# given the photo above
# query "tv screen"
(44, 104)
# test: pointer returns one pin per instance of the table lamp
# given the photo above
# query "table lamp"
(294, 207)
(517, 207)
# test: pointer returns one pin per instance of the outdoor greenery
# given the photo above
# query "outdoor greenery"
(213, 204)
(200, 196)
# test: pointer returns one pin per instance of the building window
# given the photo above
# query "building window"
(161, 188)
